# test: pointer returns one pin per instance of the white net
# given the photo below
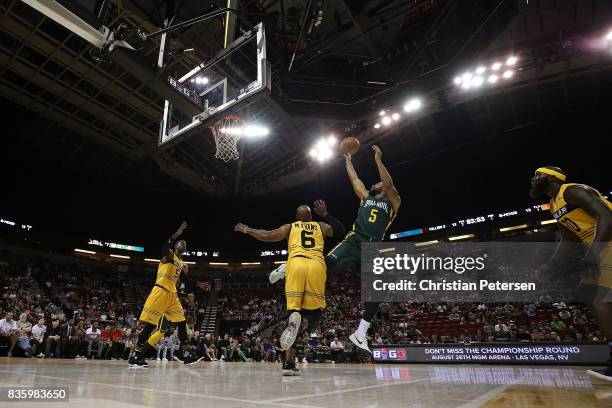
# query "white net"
(227, 132)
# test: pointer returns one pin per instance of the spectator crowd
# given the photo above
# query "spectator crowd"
(63, 309)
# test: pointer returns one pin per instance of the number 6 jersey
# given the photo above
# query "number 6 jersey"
(306, 240)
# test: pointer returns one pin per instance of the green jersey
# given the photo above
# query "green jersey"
(374, 217)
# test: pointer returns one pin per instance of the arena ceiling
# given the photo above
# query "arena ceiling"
(335, 64)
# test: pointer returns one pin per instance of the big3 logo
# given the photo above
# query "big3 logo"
(389, 354)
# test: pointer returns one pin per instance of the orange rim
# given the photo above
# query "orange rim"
(231, 116)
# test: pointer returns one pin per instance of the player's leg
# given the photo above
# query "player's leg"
(152, 312)
(349, 250)
(175, 314)
(162, 326)
(359, 337)
(295, 284)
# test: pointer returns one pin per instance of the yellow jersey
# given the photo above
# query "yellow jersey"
(306, 240)
(573, 218)
(168, 273)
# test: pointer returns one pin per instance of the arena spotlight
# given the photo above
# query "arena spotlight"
(395, 116)
(386, 120)
(609, 36)
(381, 113)
(200, 80)
(493, 79)
(322, 150)
(511, 61)
(414, 104)
(480, 70)
(377, 126)
(255, 131)
(458, 80)
(477, 81)
(496, 66)
(508, 74)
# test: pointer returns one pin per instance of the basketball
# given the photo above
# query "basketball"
(349, 145)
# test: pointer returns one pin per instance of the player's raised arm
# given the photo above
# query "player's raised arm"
(167, 248)
(358, 185)
(386, 179)
(331, 226)
(265, 235)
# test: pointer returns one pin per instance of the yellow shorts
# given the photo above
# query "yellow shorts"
(162, 302)
(305, 283)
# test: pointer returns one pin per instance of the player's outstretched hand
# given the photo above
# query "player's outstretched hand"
(240, 227)
(182, 227)
(347, 157)
(320, 208)
(204, 286)
(377, 152)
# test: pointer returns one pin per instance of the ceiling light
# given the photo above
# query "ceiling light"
(376, 125)
(413, 105)
(511, 61)
(386, 120)
(508, 74)
(253, 131)
(480, 70)
(496, 66)
(395, 116)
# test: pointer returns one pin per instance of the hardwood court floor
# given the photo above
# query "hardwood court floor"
(170, 384)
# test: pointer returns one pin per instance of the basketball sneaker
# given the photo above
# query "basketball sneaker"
(190, 358)
(277, 274)
(603, 375)
(137, 361)
(288, 336)
(290, 369)
(360, 341)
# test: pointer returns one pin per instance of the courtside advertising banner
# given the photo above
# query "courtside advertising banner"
(494, 353)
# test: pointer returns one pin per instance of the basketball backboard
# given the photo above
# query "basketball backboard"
(223, 85)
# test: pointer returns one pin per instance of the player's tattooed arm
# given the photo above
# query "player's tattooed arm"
(167, 249)
(357, 184)
(588, 200)
(265, 235)
(386, 179)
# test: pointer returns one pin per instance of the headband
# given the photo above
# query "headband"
(551, 172)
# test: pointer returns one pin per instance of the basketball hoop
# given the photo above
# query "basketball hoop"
(227, 132)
